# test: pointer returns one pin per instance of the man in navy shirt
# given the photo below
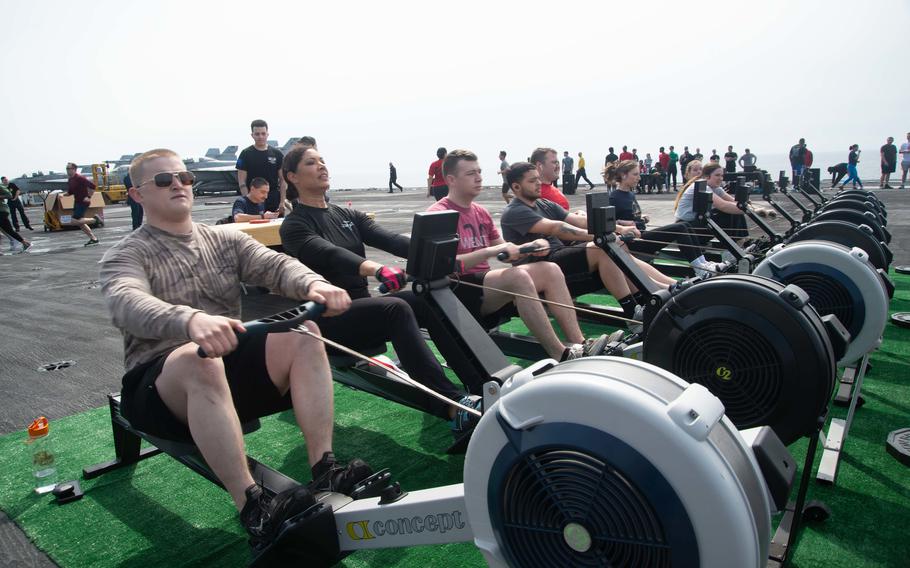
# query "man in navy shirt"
(252, 205)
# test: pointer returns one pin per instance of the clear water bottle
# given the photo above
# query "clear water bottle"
(44, 465)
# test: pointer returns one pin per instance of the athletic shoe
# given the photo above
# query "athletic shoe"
(574, 351)
(888, 186)
(705, 268)
(465, 421)
(26, 246)
(91, 242)
(594, 346)
(329, 475)
(262, 516)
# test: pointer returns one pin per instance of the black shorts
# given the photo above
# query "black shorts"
(79, 210)
(573, 260)
(253, 391)
(472, 298)
(439, 191)
(505, 187)
(889, 169)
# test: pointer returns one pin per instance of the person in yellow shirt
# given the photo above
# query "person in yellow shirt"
(580, 172)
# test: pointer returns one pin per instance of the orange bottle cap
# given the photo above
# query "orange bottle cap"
(39, 427)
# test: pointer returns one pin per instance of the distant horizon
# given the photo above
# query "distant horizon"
(772, 162)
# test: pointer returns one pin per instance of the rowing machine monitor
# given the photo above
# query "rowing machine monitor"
(464, 343)
(741, 195)
(701, 199)
(741, 192)
(434, 245)
(601, 216)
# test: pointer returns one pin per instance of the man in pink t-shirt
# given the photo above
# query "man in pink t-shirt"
(479, 241)
(547, 164)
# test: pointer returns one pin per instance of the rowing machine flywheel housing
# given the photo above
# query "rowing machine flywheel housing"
(607, 461)
(839, 281)
(754, 343)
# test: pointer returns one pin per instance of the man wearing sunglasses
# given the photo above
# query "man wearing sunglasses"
(79, 186)
(172, 286)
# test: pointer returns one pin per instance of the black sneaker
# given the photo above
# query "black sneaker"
(91, 242)
(329, 475)
(465, 421)
(262, 516)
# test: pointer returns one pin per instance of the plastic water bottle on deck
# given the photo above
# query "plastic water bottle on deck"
(44, 465)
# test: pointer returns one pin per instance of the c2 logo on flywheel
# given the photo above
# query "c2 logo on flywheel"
(723, 373)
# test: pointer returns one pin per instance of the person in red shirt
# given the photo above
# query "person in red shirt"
(78, 186)
(547, 164)
(479, 241)
(664, 160)
(436, 183)
(626, 154)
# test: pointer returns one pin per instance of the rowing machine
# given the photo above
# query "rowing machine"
(601, 461)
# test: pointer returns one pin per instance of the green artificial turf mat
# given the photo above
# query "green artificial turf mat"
(158, 513)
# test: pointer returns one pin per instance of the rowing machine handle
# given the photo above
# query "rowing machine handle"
(527, 249)
(308, 311)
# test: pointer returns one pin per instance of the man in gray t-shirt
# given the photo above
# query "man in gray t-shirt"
(503, 171)
(568, 164)
(747, 160)
(518, 218)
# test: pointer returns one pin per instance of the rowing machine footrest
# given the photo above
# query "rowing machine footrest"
(306, 539)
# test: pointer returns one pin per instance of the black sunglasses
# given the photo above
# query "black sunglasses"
(164, 179)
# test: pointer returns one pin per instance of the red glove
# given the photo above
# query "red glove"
(391, 279)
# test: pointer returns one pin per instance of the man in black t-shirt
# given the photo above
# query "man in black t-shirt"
(262, 161)
(714, 157)
(611, 157)
(889, 162)
(730, 159)
(528, 218)
(684, 160)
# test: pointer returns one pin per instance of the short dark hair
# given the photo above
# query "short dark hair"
(450, 162)
(502, 153)
(517, 172)
(539, 155)
(259, 182)
(259, 123)
(306, 141)
(441, 153)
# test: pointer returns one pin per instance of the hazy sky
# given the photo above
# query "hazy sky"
(381, 81)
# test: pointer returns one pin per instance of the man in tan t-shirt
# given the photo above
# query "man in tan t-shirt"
(173, 286)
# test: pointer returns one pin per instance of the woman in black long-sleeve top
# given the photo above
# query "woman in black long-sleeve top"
(330, 240)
